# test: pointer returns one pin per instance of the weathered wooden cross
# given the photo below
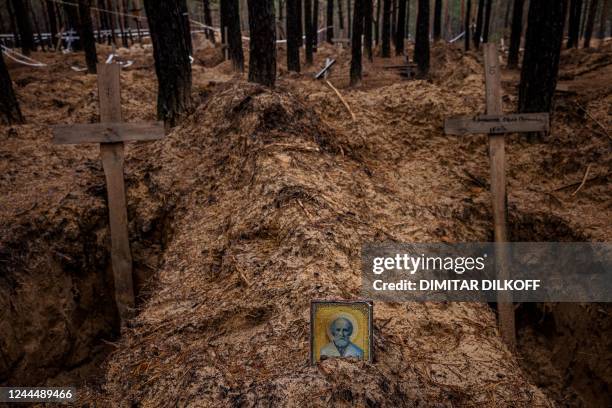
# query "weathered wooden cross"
(111, 133)
(496, 124)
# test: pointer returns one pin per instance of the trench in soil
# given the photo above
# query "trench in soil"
(64, 287)
(563, 348)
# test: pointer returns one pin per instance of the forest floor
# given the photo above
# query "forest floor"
(260, 202)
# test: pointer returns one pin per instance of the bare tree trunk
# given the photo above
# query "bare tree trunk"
(407, 29)
(349, 17)
(377, 25)
(386, 29)
(421, 46)
(573, 32)
(87, 36)
(111, 20)
(393, 20)
(588, 32)
(356, 66)
(340, 15)
(230, 18)
(515, 36)
(20, 8)
(210, 34)
(467, 22)
(9, 107)
(542, 50)
(400, 27)
(124, 41)
(487, 22)
(603, 20)
(368, 9)
(437, 20)
(584, 14)
(36, 26)
(308, 24)
(172, 64)
(479, 18)
(315, 25)
(262, 60)
(293, 33)
(301, 23)
(330, 21)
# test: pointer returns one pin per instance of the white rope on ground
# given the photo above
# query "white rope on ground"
(20, 58)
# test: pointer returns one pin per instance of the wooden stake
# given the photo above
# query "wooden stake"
(505, 307)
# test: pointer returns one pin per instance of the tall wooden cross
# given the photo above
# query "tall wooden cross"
(111, 133)
(496, 124)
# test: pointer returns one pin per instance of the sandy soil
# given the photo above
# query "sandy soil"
(260, 202)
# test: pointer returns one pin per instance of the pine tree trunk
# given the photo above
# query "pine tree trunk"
(421, 46)
(437, 24)
(16, 38)
(515, 36)
(487, 21)
(467, 22)
(308, 29)
(356, 66)
(72, 15)
(588, 31)
(37, 27)
(386, 29)
(330, 21)
(340, 16)
(400, 27)
(603, 20)
(368, 9)
(542, 50)
(119, 23)
(9, 107)
(377, 24)
(349, 16)
(407, 29)
(262, 57)
(230, 18)
(52, 21)
(301, 23)
(507, 15)
(172, 65)
(111, 20)
(87, 35)
(20, 8)
(315, 25)
(584, 14)
(479, 18)
(293, 33)
(210, 34)
(573, 32)
(393, 20)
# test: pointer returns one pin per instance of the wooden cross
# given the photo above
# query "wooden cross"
(111, 133)
(496, 124)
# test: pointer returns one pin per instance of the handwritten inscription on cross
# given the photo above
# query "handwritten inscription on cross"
(496, 124)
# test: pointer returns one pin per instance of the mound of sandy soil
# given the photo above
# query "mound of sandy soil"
(274, 208)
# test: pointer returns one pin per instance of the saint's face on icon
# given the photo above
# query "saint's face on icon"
(341, 330)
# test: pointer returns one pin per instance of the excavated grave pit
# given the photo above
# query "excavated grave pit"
(564, 347)
(57, 313)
